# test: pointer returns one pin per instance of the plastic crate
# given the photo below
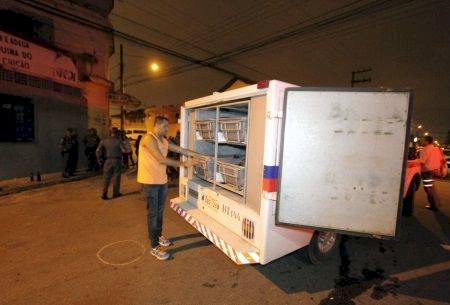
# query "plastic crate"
(234, 130)
(231, 174)
(205, 130)
(204, 167)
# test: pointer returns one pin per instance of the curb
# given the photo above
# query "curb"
(45, 184)
(60, 181)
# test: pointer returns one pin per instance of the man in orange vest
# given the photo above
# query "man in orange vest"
(431, 159)
(152, 165)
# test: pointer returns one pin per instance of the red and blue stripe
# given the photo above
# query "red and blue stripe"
(270, 178)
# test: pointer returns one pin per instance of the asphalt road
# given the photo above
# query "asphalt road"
(63, 245)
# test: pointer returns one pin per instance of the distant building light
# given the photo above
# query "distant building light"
(419, 126)
(426, 134)
(415, 139)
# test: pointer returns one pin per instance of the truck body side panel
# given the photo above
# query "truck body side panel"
(255, 149)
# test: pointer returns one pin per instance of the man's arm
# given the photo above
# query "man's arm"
(99, 151)
(182, 151)
(149, 143)
(423, 157)
(122, 147)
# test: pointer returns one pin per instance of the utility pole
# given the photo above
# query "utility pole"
(122, 90)
(356, 73)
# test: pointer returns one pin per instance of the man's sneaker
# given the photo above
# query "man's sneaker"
(159, 253)
(117, 195)
(164, 241)
(104, 197)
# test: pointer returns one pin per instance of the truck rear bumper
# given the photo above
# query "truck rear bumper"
(235, 247)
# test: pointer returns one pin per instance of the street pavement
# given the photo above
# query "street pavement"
(63, 245)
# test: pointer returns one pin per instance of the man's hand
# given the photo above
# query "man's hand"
(188, 163)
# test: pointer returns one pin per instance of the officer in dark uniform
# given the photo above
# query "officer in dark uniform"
(91, 141)
(110, 152)
(67, 147)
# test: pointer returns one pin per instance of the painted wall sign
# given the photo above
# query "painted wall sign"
(24, 56)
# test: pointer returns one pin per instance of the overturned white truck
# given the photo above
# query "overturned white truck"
(286, 167)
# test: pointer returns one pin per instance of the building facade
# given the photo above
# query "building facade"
(53, 76)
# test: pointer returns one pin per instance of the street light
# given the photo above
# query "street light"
(419, 126)
(154, 67)
(426, 133)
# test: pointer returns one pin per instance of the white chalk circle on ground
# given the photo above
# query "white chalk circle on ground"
(134, 259)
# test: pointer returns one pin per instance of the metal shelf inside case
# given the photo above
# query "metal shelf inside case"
(221, 137)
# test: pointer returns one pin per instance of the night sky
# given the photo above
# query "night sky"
(406, 43)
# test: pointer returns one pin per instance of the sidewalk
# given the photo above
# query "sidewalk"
(23, 184)
(17, 185)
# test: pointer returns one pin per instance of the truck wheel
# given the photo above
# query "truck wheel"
(323, 246)
(408, 201)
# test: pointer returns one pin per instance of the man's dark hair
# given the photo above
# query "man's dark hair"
(428, 139)
(160, 119)
(115, 132)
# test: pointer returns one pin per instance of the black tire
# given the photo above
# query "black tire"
(318, 252)
(408, 201)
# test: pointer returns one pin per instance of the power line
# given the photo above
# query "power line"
(223, 24)
(222, 58)
(186, 27)
(368, 10)
(60, 13)
(160, 32)
(245, 14)
(345, 16)
(187, 43)
(302, 30)
(248, 47)
(246, 21)
(374, 21)
(351, 29)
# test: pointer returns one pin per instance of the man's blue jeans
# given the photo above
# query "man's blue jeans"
(155, 194)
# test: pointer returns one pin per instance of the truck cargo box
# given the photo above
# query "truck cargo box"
(307, 164)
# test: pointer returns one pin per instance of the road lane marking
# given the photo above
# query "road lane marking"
(421, 272)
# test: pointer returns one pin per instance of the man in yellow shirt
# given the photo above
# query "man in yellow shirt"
(152, 164)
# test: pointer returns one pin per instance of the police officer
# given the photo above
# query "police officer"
(91, 141)
(110, 152)
(67, 147)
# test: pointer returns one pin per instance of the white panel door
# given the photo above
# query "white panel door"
(342, 159)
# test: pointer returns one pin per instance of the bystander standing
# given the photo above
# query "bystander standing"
(128, 152)
(432, 161)
(110, 152)
(68, 146)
